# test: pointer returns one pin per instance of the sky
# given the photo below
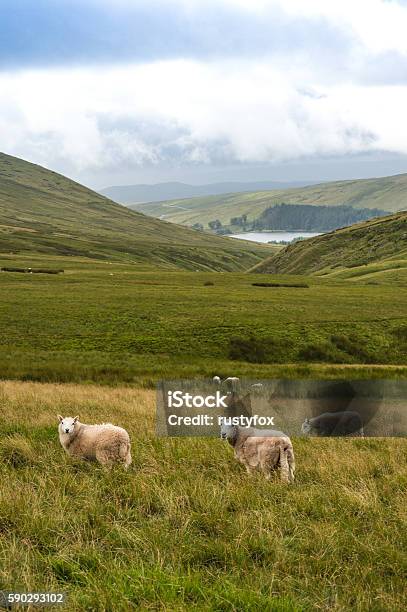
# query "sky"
(133, 91)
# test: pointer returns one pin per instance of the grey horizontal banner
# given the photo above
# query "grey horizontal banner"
(336, 408)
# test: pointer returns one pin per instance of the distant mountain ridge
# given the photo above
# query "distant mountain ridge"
(133, 194)
(44, 212)
(387, 193)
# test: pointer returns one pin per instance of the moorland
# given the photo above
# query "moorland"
(185, 528)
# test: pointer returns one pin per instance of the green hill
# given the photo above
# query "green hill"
(388, 193)
(44, 212)
(375, 249)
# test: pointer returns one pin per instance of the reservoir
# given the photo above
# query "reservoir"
(280, 236)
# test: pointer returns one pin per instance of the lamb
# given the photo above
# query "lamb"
(345, 423)
(261, 449)
(104, 443)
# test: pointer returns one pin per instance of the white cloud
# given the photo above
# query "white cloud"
(275, 108)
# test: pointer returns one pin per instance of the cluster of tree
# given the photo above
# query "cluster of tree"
(215, 225)
(292, 217)
(241, 221)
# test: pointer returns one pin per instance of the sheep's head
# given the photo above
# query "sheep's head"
(67, 424)
(306, 427)
(228, 432)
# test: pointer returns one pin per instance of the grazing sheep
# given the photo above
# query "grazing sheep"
(261, 449)
(104, 443)
(345, 423)
(232, 383)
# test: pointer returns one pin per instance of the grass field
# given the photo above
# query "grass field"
(114, 323)
(387, 193)
(186, 528)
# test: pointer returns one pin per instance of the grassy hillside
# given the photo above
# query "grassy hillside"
(112, 322)
(389, 193)
(185, 528)
(373, 250)
(44, 212)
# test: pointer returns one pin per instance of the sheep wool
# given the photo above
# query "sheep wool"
(105, 443)
(263, 450)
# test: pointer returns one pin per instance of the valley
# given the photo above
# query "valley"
(385, 194)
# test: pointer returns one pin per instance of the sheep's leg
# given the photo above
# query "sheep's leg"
(127, 461)
(291, 465)
(266, 462)
(265, 467)
(284, 467)
(125, 455)
(249, 469)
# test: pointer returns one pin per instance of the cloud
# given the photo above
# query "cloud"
(192, 112)
(93, 85)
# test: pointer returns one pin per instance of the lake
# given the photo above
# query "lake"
(274, 236)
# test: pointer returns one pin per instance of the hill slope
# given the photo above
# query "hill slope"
(127, 194)
(388, 193)
(44, 212)
(373, 248)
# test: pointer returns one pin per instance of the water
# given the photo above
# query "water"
(274, 236)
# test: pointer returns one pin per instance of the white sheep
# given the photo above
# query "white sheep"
(260, 449)
(104, 443)
(231, 382)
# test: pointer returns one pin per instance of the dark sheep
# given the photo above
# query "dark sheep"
(345, 423)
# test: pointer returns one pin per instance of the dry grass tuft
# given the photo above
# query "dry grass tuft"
(17, 451)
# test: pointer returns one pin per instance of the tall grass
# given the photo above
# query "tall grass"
(185, 527)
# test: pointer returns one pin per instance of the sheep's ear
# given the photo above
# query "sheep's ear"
(60, 418)
(76, 419)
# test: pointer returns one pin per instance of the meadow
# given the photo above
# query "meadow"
(185, 527)
(114, 323)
